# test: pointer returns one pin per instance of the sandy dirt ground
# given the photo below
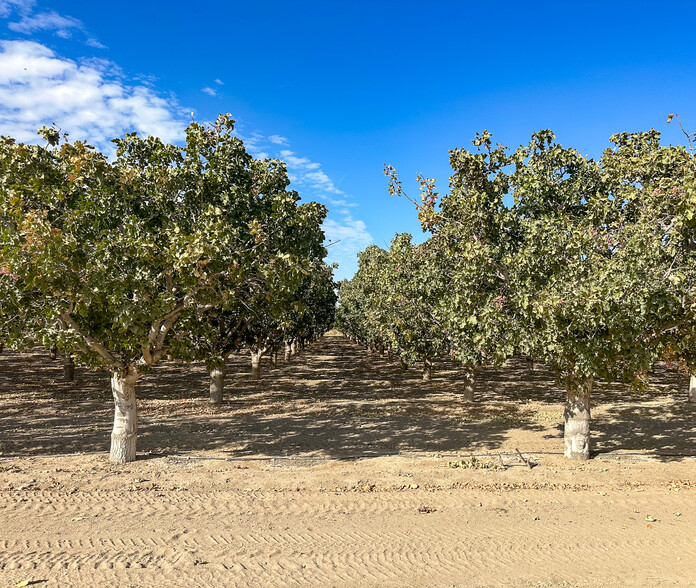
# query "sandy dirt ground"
(340, 469)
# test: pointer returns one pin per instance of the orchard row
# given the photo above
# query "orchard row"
(187, 252)
(587, 265)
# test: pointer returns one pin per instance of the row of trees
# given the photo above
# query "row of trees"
(189, 252)
(589, 266)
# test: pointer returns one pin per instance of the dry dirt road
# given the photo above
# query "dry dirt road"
(340, 470)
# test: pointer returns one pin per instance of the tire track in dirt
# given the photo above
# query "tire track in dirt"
(379, 555)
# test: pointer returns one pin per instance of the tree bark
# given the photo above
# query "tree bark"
(469, 380)
(577, 419)
(692, 388)
(530, 363)
(288, 351)
(68, 368)
(125, 431)
(404, 365)
(217, 382)
(53, 352)
(256, 365)
(427, 369)
(293, 347)
(381, 348)
(274, 359)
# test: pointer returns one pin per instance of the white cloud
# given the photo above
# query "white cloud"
(350, 237)
(38, 87)
(46, 21)
(209, 91)
(298, 163)
(31, 21)
(94, 43)
(278, 140)
(309, 173)
(7, 7)
(219, 82)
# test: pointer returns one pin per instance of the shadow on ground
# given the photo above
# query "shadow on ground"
(334, 400)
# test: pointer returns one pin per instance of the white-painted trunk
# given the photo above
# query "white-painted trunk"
(293, 347)
(68, 368)
(256, 365)
(427, 369)
(125, 432)
(692, 388)
(288, 350)
(217, 383)
(577, 419)
(468, 383)
(53, 352)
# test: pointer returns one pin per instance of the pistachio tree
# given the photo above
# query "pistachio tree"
(119, 251)
(654, 189)
(589, 269)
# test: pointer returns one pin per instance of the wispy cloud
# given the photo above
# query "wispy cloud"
(346, 237)
(38, 87)
(210, 91)
(8, 7)
(47, 21)
(30, 21)
(309, 173)
(219, 82)
(94, 43)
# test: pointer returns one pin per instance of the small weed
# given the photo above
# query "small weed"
(475, 464)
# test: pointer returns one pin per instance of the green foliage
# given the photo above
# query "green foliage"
(587, 265)
(117, 253)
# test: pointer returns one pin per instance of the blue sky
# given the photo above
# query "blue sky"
(337, 89)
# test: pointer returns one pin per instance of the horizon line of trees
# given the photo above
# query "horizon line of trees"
(586, 265)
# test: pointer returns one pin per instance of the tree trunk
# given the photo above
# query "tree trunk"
(68, 368)
(274, 359)
(381, 348)
(293, 347)
(2, 346)
(469, 380)
(577, 419)
(53, 352)
(125, 431)
(288, 351)
(256, 365)
(427, 369)
(692, 388)
(530, 363)
(217, 382)
(404, 365)
(390, 356)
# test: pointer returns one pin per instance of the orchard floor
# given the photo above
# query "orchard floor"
(337, 469)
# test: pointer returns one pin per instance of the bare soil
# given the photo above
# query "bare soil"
(340, 469)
